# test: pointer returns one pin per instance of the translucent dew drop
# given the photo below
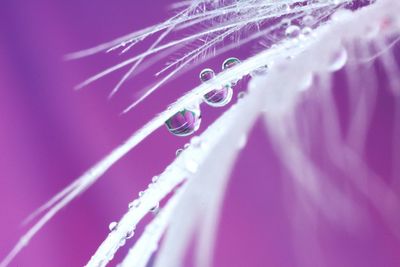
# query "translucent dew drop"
(206, 75)
(134, 204)
(286, 22)
(218, 97)
(195, 141)
(338, 60)
(154, 179)
(112, 226)
(178, 151)
(184, 122)
(306, 31)
(130, 234)
(241, 95)
(308, 20)
(156, 208)
(292, 31)
(228, 64)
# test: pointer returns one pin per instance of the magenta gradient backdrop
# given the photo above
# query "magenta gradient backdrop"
(50, 134)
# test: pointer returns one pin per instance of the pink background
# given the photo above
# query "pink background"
(50, 134)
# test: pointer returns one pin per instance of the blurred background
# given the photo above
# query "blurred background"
(50, 134)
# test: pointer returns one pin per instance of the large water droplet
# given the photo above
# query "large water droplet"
(338, 60)
(112, 226)
(292, 31)
(184, 122)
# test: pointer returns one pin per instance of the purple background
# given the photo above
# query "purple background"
(50, 134)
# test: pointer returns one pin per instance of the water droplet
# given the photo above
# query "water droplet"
(219, 97)
(195, 141)
(130, 234)
(206, 75)
(308, 20)
(178, 151)
(230, 63)
(156, 208)
(338, 60)
(112, 226)
(286, 22)
(122, 242)
(184, 122)
(286, 7)
(134, 204)
(306, 31)
(292, 31)
(216, 97)
(241, 95)
(187, 145)
(155, 179)
(141, 193)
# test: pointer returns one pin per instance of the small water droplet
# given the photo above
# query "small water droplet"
(186, 146)
(241, 95)
(141, 193)
(206, 75)
(155, 208)
(308, 20)
(178, 151)
(130, 234)
(113, 226)
(306, 31)
(155, 179)
(195, 141)
(286, 22)
(292, 31)
(228, 64)
(134, 204)
(122, 242)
